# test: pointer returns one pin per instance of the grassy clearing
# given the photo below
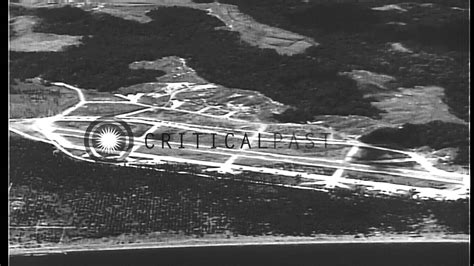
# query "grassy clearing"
(104, 109)
(91, 95)
(41, 42)
(418, 105)
(25, 40)
(28, 100)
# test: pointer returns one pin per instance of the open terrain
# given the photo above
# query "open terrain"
(254, 33)
(24, 39)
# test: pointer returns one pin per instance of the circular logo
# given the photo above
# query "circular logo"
(108, 139)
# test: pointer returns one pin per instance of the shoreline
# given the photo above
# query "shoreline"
(240, 242)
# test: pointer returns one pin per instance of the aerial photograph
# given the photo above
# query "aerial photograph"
(291, 130)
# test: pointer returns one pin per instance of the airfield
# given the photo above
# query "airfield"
(183, 102)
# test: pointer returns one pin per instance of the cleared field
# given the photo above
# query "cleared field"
(398, 180)
(69, 127)
(141, 88)
(90, 95)
(25, 40)
(260, 35)
(215, 111)
(74, 139)
(135, 13)
(284, 166)
(267, 178)
(76, 125)
(43, 42)
(104, 109)
(418, 105)
(192, 106)
(155, 101)
(191, 154)
(352, 125)
(29, 100)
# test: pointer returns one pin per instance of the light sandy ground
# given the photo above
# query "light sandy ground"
(26, 40)
(43, 42)
(417, 105)
(261, 35)
(251, 31)
(399, 47)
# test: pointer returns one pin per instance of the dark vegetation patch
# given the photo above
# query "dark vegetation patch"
(111, 44)
(353, 36)
(109, 201)
(436, 134)
(17, 10)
